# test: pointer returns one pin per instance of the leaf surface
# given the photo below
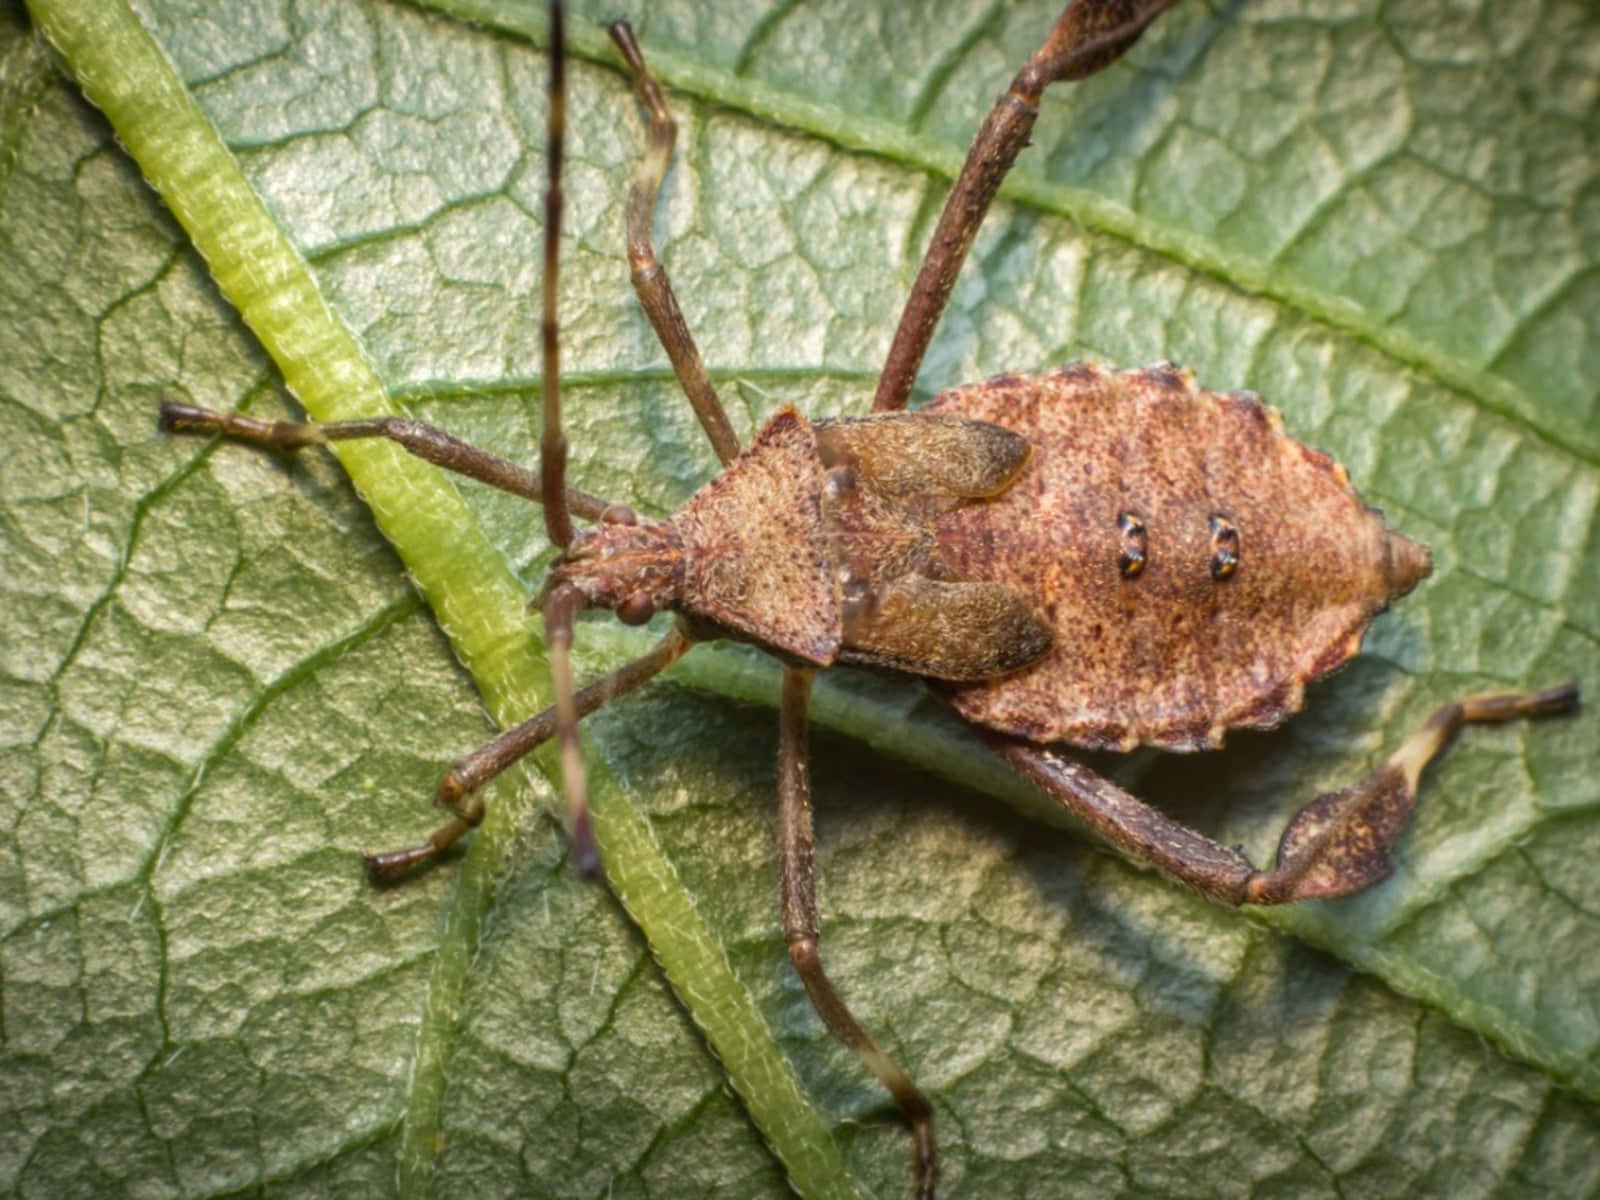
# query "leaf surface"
(219, 684)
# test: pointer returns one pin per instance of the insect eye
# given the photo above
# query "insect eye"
(636, 609)
(619, 514)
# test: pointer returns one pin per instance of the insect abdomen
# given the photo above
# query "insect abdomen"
(1197, 564)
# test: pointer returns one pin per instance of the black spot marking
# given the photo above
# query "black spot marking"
(1166, 376)
(1079, 372)
(1224, 548)
(1133, 555)
(840, 483)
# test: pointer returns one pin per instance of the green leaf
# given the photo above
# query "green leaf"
(219, 684)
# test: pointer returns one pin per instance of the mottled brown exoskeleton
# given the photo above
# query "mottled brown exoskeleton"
(1088, 556)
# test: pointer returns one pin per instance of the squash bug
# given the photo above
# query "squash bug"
(1087, 556)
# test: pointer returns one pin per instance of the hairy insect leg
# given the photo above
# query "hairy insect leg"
(425, 441)
(649, 277)
(561, 604)
(1340, 842)
(1336, 845)
(802, 930)
(552, 440)
(458, 789)
(1090, 35)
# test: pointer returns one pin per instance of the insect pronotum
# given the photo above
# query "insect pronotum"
(1089, 556)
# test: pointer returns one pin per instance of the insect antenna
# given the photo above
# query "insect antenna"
(563, 601)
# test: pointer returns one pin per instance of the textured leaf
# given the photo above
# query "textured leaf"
(218, 684)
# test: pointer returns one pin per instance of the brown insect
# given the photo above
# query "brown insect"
(1088, 556)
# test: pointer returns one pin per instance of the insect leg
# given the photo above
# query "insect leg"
(425, 441)
(1089, 35)
(552, 441)
(802, 929)
(458, 789)
(562, 602)
(1336, 845)
(1340, 842)
(649, 277)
